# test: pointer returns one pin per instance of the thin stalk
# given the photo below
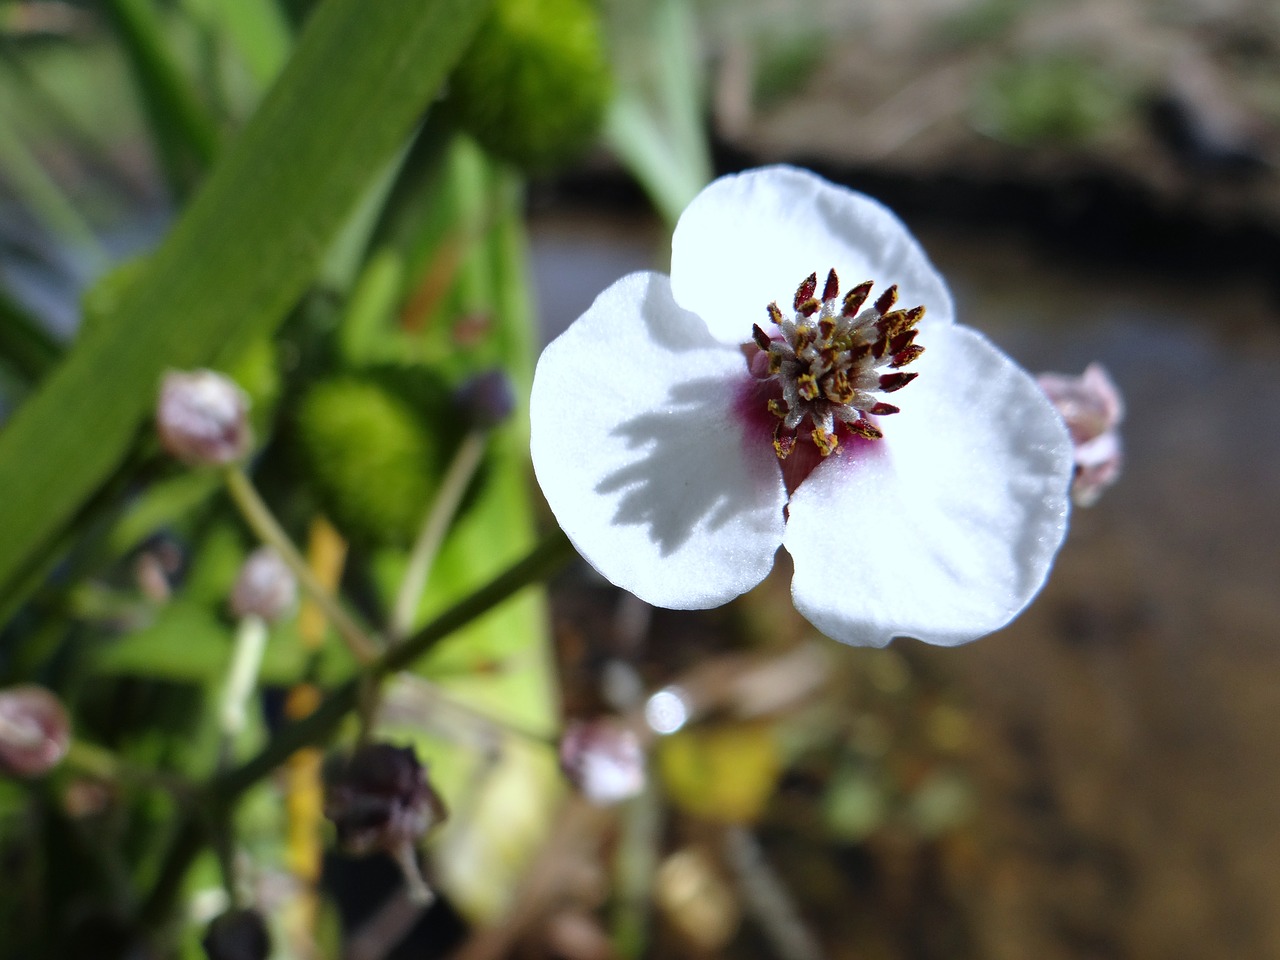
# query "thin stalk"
(246, 661)
(435, 525)
(260, 519)
(226, 788)
(541, 562)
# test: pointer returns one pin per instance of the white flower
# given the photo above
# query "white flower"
(678, 448)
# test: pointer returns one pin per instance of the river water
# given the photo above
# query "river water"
(1125, 750)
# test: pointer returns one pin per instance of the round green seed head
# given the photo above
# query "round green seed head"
(370, 458)
(533, 86)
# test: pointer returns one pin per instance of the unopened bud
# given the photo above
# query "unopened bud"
(487, 398)
(603, 759)
(237, 934)
(266, 587)
(379, 798)
(35, 731)
(1092, 408)
(203, 418)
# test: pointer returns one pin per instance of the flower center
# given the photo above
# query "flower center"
(831, 360)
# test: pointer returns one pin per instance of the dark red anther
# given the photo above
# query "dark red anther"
(887, 299)
(832, 286)
(806, 290)
(893, 322)
(903, 357)
(761, 338)
(915, 314)
(783, 443)
(867, 429)
(883, 409)
(902, 340)
(890, 382)
(855, 298)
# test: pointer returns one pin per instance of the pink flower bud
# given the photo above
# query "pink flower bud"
(266, 587)
(1092, 408)
(202, 418)
(35, 731)
(603, 759)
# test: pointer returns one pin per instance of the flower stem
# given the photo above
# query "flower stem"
(543, 560)
(260, 519)
(434, 527)
(227, 786)
(246, 661)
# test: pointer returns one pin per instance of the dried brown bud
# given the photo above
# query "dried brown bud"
(237, 934)
(379, 798)
(35, 731)
(203, 418)
(266, 587)
(603, 759)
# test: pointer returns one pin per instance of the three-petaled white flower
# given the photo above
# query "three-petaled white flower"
(684, 427)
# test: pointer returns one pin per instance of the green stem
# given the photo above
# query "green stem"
(260, 519)
(434, 527)
(226, 788)
(246, 661)
(545, 559)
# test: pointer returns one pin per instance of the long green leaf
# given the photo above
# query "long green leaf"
(239, 258)
(186, 135)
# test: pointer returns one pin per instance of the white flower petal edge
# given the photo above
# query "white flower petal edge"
(751, 238)
(639, 459)
(949, 529)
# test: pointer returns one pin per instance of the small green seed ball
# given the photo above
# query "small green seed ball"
(369, 456)
(533, 86)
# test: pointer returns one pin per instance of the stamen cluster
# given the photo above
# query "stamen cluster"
(831, 360)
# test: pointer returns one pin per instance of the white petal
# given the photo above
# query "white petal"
(640, 457)
(948, 527)
(750, 239)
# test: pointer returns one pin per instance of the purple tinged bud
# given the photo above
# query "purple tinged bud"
(487, 398)
(237, 934)
(379, 799)
(35, 731)
(1092, 408)
(203, 418)
(603, 759)
(266, 587)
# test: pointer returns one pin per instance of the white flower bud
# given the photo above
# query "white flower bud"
(202, 418)
(34, 731)
(603, 759)
(266, 587)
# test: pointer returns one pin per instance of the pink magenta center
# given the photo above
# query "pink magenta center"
(751, 407)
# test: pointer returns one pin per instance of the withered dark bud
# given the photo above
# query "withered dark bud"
(237, 934)
(487, 398)
(379, 799)
(35, 731)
